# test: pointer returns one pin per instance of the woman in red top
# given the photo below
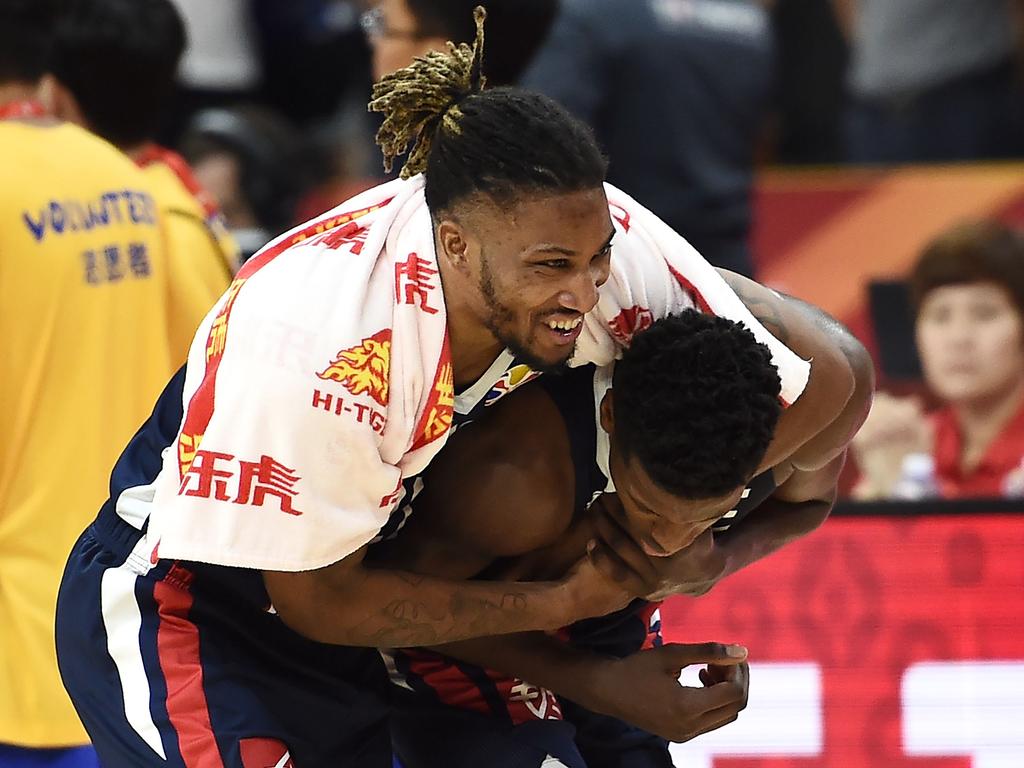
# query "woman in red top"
(968, 289)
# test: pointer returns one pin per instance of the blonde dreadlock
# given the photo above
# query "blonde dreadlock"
(424, 97)
(499, 143)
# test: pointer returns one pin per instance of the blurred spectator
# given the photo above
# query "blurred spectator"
(401, 29)
(934, 80)
(222, 63)
(809, 93)
(249, 160)
(222, 54)
(968, 289)
(315, 57)
(113, 72)
(676, 91)
(83, 317)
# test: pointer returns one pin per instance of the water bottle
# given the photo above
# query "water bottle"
(917, 478)
(1013, 482)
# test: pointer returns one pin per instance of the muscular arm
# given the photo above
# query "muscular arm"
(349, 603)
(804, 497)
(509, 501)
(832, 381)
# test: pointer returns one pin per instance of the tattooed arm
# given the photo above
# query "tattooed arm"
(348, 603)
(487, 498)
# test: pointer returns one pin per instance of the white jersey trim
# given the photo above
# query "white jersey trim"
(122, 620)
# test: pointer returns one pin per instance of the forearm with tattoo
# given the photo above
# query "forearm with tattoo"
(350, 604)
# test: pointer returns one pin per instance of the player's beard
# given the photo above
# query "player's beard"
(500, 321)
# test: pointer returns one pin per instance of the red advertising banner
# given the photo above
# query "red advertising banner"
(874, 643)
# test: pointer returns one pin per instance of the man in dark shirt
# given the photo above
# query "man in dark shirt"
(676, 91)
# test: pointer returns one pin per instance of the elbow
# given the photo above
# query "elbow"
(301, 621)
(833, 384)
(863, 369)
(303, 605)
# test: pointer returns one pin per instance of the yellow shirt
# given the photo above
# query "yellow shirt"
(83, 354)
(202, 255)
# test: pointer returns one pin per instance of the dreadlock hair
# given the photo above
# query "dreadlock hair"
(468, 140)
(696, 400)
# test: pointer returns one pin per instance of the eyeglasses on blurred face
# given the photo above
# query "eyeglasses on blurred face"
(375, 24)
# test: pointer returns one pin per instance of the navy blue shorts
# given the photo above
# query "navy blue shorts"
(174, 665)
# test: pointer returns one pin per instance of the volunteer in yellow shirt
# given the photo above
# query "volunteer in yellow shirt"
(84, 298)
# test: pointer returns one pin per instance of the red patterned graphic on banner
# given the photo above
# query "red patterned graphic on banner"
(880, 607)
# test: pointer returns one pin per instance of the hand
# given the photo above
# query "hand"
(644, 690)
(693, 570)
(895, 427)
(591, 593)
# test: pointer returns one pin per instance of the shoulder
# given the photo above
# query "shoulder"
(171, 194)
(509, 479)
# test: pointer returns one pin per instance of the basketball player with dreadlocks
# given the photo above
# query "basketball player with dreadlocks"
(219, 610)
(675, 436)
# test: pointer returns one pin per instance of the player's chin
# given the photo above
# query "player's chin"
(549, 358)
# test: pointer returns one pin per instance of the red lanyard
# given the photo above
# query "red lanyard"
(24, 108)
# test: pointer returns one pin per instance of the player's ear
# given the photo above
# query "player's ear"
(607, 413)
(453, 243)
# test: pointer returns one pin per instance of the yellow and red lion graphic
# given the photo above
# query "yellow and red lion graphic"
(364, 368)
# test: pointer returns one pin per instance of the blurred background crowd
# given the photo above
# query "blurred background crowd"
(861, 154)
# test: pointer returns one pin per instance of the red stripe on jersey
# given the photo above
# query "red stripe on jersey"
(177, 642)
(200, 407)
(452, 685)
(525, 702)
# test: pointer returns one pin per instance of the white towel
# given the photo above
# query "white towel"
(323, 378)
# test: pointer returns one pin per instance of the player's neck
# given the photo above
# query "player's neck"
(12, 92)
(473, 348)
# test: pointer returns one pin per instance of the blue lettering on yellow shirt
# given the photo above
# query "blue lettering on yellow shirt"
(60, 216)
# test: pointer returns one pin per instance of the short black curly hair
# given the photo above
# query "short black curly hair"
(696, 401)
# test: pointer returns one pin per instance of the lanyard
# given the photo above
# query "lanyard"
(19, 109)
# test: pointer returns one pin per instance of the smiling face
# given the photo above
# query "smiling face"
(532, 268)
(971, 341)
